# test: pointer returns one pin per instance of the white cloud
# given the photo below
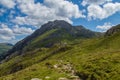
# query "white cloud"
(7, 33)
(95, 2)
(98, 12)
(8, 3)
(64, 8)
(5, 5)
(49, 10)
(2, 11)
(104, 27)
(22, 30)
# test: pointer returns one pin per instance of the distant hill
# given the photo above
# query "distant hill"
(4, 47)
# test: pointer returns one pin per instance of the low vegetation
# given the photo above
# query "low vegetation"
(67, 59)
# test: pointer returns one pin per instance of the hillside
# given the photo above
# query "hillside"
(75, 53)
(4, 47)
(113, 30)
(50, 34)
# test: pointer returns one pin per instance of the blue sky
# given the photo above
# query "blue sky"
(20, 18)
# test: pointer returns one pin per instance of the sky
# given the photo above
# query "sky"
(20, 18)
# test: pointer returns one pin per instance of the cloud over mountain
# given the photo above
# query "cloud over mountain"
(39, 13)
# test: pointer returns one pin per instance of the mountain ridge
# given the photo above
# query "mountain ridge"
(63, 28)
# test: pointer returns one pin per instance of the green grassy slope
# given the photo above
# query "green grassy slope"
(89, 59)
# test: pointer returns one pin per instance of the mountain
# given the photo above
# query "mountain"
(113, 30)
(71, 56)
(51, 33)
(4, 47)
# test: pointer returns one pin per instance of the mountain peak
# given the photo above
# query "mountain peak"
(59, 22)
(56, 24)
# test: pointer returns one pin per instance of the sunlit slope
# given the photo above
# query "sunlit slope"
(90, 59)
